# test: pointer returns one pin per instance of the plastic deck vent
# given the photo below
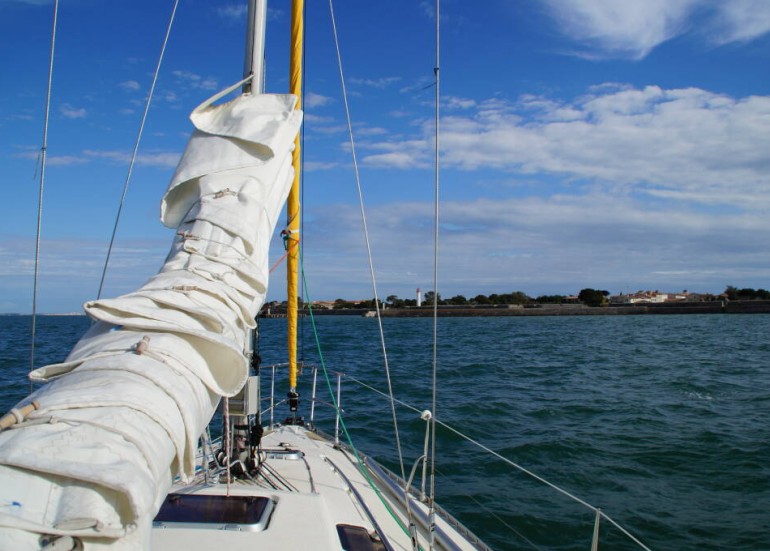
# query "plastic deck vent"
(246, 513)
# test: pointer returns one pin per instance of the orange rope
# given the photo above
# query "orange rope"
(279, 261)
(288, 250)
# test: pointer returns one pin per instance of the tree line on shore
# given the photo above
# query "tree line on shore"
(587, 297)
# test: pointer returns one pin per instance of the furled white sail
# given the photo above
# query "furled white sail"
(121, 417)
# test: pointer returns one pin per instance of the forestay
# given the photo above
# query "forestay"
(121, 416)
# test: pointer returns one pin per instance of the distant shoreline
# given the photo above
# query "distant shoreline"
(714, 307)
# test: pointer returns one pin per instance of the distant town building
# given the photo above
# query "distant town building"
(326, 304)
(650, 297)
(654, 297)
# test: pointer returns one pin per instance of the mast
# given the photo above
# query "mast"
(254, 61)
(292, 206)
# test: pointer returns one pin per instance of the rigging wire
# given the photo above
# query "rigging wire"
(508, 462)
(432, 499)
(366, 238)
(136, 148)
(43, 150)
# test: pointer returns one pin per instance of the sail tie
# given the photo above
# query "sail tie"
(288, 239)
(289, 243)
(225, 193)
(142, 346)
(188, 235)
(186, 288)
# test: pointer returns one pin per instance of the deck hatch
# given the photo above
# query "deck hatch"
(288, 453)
(357, 538)
(245, 513)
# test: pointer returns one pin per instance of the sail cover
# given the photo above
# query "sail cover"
(120, 418)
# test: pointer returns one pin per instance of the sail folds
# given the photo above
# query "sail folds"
(121, 417)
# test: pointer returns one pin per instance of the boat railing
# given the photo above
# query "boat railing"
(271, 408)
(599, 514)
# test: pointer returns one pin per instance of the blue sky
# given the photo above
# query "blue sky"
(619, 145)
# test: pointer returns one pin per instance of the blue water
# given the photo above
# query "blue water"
(662, 421)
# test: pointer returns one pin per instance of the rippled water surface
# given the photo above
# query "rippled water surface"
(662, 421)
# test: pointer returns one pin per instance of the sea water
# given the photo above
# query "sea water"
(662, 421)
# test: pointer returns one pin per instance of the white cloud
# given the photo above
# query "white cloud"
(52, 160)
(429, 9)
(70, 270)
(371, 131)
(314, 166)
(233, 12)
(194, 80)
(419, 85)
(236, 13)
(741, 20)
(399, 155)
(622, 188)
(541, 245)
(333, 129)
(157, 159)
(631, 29)
(116, 156)
(686, 143)
(162, 160)
(453, 102)
(209, 84)
(624, 28)
(312, 99)
(129, 85)
(186, 75)
(31, 154)
(19, 117)
(71, 112)
(383, 82)
(315, 119)
(65, 160)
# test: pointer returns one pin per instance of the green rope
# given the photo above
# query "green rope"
(361, 467)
